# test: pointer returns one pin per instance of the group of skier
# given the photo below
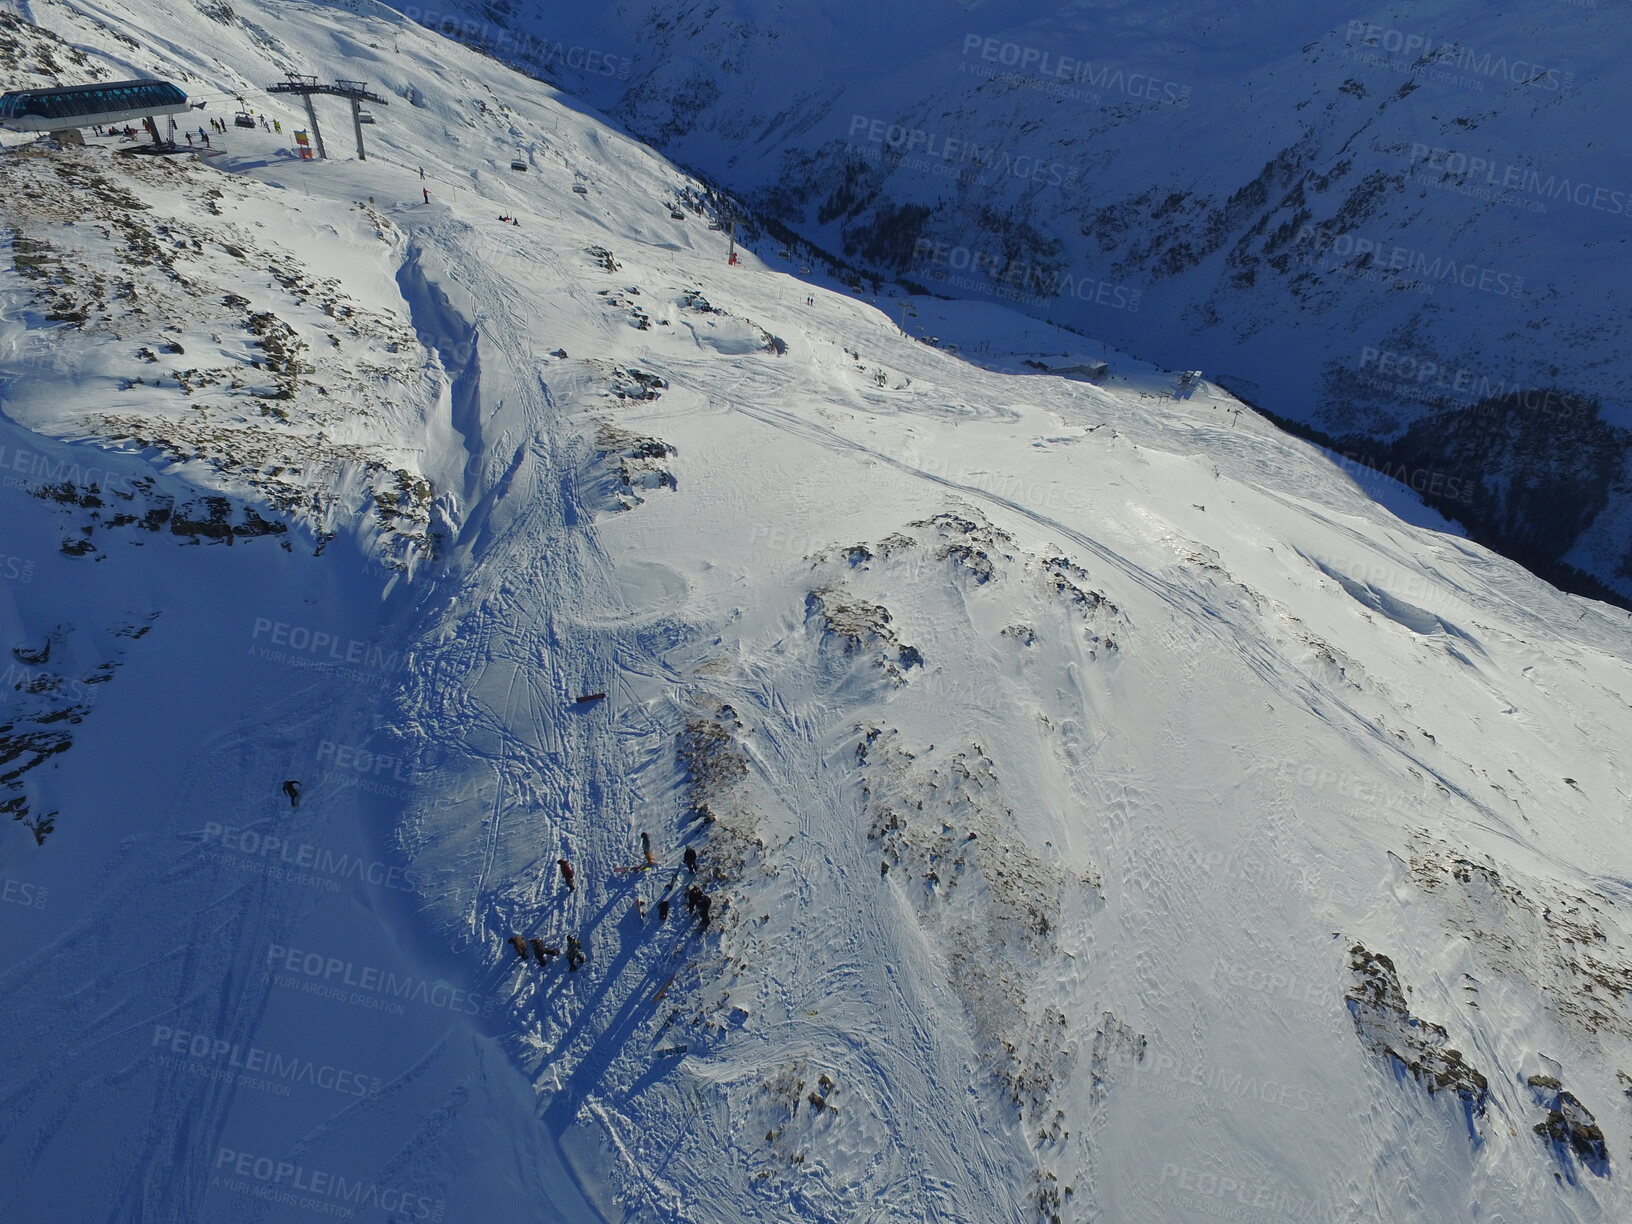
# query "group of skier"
(698, 902)
(548, 952)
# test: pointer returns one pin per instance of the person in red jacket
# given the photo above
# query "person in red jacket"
(566, 874)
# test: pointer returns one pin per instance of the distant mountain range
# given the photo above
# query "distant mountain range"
(1402, 231)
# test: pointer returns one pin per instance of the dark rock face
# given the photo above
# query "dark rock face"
(1569, 1127)
(1386, 1026)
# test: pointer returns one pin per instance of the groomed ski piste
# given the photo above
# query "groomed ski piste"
(1109, 808)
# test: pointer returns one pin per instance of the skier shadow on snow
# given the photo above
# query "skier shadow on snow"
(620, 1029)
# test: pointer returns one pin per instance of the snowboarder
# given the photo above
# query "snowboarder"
(691, 859)
(427, 193)
(292, 789)
(544, 951)
(566, 874)
(515, 223)
(575, 953)
(646, 847)
(520, 945)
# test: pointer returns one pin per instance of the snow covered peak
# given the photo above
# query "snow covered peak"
(1099, 804)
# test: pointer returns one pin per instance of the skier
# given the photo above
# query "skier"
(704, 901)
(646, 846)
(427, 194)
(544, 951)
(189, 140)
(206, 142)
(663, 909)
(691, 859)
(292, 789)
(520, 945)
(566, 874)
(640, 908)
(277, 126)
(575, 953)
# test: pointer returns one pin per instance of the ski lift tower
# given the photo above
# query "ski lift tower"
(305, 86)
(355, 92)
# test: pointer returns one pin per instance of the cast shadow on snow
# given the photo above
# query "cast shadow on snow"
(626, 1021)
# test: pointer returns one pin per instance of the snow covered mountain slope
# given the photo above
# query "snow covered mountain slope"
(1104, 807)
(1365, 218)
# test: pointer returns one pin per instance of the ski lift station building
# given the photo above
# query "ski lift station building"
(70, 107)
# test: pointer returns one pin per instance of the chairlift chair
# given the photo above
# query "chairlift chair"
(518, 164)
